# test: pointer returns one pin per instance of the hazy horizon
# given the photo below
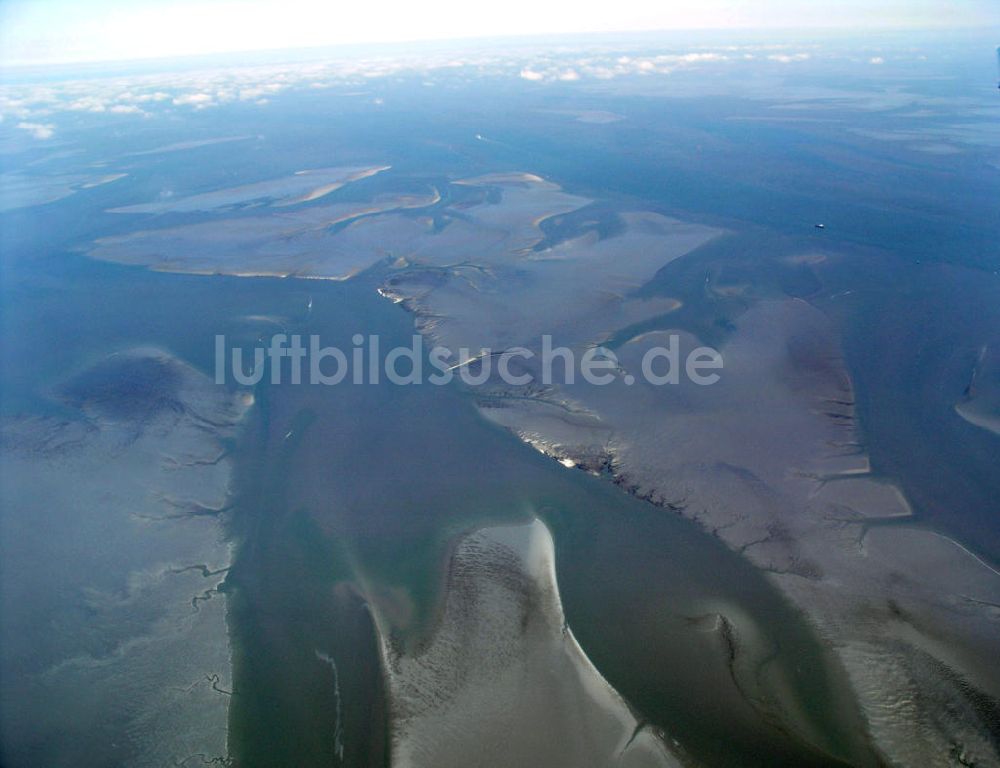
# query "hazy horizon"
(60, 32)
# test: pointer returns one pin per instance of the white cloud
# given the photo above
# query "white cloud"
(876, 60)
(155, 93)
(87, 104)
(257, 92)
(157, 96)
(38, 130)
(197, 100)
(696, 57)
(786, 58)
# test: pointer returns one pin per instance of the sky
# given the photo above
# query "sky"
(61, 31)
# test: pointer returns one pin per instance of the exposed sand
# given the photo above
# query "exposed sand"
(296, 243)
(19, 190)
(181, 146)
(497, 238)
(592, 116)
(300, 187)
(576, 291)
(119, 553)
(503, 682)
(981, 404)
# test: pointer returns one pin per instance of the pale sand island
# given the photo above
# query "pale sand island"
(463, 699)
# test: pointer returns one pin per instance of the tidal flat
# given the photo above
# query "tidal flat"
(113, 591)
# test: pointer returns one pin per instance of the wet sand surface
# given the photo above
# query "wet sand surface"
(503, 681)
(112, 615)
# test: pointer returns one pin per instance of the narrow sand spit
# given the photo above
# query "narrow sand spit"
(300, 187)
(22, 190)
